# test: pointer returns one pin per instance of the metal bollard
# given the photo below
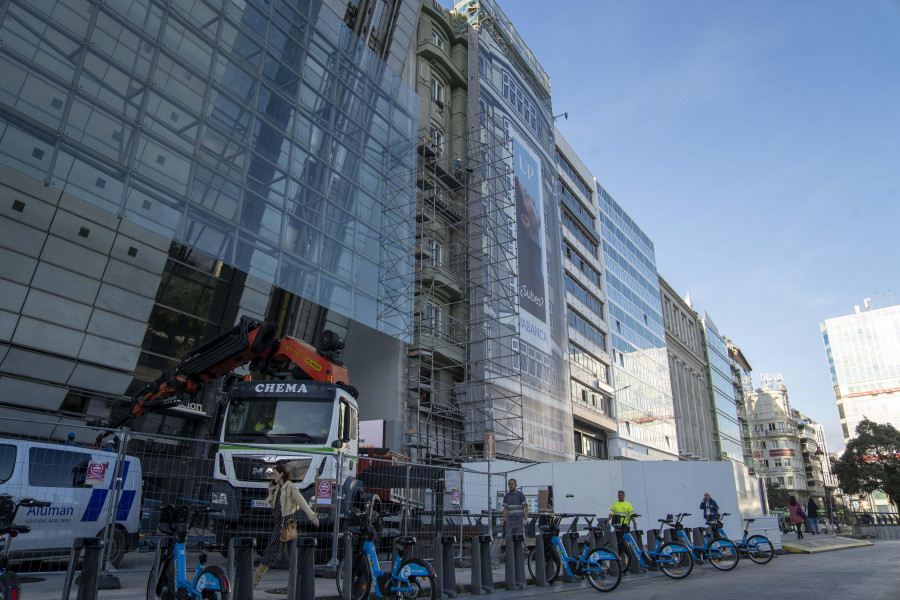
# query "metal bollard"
(540, 560)
(570, 543)
(302, 578)
(240, 566)
(88, 583)
(515, 561)
(348, 567)
(482, 572)
(446, 582)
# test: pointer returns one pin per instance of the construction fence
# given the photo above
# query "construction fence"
(112, 484)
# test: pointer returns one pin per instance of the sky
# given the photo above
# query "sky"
(756, 143)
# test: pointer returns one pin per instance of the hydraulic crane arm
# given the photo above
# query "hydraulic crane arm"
(250, 341)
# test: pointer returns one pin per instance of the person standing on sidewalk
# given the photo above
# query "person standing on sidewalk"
(515, 509)
(285, 500)
(812, 513)
(797, 516)
(709, 507)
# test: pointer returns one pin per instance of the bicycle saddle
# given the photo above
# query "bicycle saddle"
(406, 540)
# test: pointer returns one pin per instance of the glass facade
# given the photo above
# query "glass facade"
(257, 132)
(726, 428)
(863, 351)
(644, 405)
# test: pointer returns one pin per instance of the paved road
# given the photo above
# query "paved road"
(870, 573)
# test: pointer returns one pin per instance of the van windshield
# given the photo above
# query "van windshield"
(7, 461)
(279, 420)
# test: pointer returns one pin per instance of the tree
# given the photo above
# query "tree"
(778, 496)
(871, 461)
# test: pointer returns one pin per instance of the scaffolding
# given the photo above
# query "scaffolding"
(464, 387)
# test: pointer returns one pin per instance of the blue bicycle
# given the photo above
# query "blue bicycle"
(672, 558)
(10, 587)
(721, 553)
(600, 565)
(408, 578)
(756, 547)
(168, 580)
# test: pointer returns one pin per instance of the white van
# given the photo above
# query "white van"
(78, 483)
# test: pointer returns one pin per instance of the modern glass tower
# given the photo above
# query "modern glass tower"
(863, 351)
(722, 405)
(165, 166)
(644, 406)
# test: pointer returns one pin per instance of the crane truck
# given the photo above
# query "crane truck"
(300, 412)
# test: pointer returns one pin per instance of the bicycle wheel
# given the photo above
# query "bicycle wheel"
(362, 582)
(603, 569)
(420, 576)
(161, 583)
(10, 587)
(723, 554)
(675, 560)
(552, 562)
(759, 549)
(213, 584)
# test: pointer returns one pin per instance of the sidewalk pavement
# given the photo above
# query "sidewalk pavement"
(822, 542)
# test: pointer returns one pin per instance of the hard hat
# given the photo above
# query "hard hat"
(71, 434)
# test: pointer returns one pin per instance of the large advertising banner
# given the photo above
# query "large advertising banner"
(530, 239)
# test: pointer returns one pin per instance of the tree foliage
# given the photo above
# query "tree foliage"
(871, 461)
(778, 496)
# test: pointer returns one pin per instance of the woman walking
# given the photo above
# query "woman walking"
(285, 500)
(797, 516)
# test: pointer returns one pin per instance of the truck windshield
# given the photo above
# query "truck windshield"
(279, 420)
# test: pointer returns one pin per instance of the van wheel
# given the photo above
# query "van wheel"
(116, 548)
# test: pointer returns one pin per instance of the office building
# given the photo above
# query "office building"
(863, 351)
(723, 408)
(643, 394)
(166, 167)
(687, 371)
(742, 381)
(589, 361)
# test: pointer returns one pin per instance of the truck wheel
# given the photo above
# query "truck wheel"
(116, 548)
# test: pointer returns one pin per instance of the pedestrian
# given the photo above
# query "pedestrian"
(797, 516)
(621, 511)
(285, 500)
(812, 513)
(70, 441)
(515, 509)
(709, 507)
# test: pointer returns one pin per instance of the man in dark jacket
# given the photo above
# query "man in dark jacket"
(709, 507)
(812, 514)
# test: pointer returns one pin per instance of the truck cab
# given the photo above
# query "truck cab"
(306, 426)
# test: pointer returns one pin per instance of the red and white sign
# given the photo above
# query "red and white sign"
(454, 496)
(324, 492)
(782, 452)
(96, 472)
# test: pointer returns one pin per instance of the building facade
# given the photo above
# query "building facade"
(723, 408)
(589, 360)
(777, 440)
(742, 380)
(687, 371)
(821, 482)
(168, 167)
(644, 408)
(863, 351)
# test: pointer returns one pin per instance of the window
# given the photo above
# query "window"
(766, 462)
(435, 250)
(57, 468)
(777, 462)
(7, 461)
(437, 91)
(436, 39)
(763, 445)
(437, 141)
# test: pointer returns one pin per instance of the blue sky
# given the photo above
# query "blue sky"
(756, 143)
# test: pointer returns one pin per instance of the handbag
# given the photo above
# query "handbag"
(289, 531)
